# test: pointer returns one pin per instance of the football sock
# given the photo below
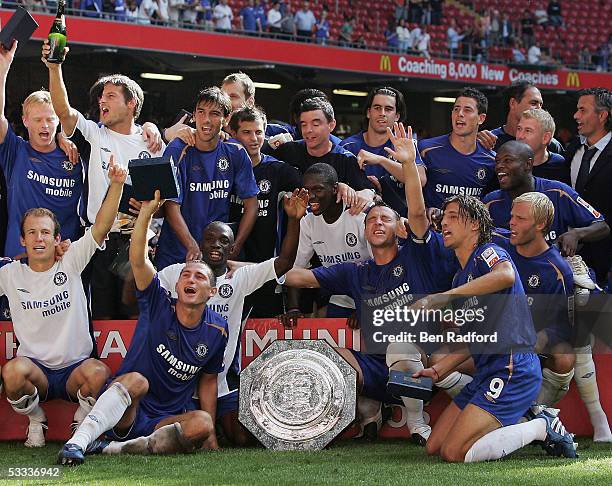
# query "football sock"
(168, 439)
(554, 386)
(454, 383)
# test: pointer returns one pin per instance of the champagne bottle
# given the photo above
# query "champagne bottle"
(57, 35)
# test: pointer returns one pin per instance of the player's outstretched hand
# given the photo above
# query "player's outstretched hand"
(367, 158)
(149, 208)
(46, 51)
(135, 206)
(290, 318)
(61, 249)
(187, 135)
(402, 228)
(152, 137)
(487, 139)
(69, 148)
(233, 265)
(374, 180)
(434, 215)
(568, 243)
(295, 204)
(352, 322)
(346, 194)
(6, 57)
(433, 301)
(116, 173)
(429, 373)
(403, 150)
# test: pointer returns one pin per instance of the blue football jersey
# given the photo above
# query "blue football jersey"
(356, 142)
(571, 211)
(548, 281)
(506, 315)
(36, 179)
(206, 180)
(169, 355)
(450, 172)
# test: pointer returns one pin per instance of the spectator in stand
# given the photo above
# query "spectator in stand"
(131, 14)
(190, 12)
(92, 8)
(423, 44)
(401, 10)
(507, 30)
(403, 36)
(223, 15)
(119, 10)
(415, 11)
(495, 27)
(436, 11)
(454, 38)
(146, 12)
(261, 15)
(361, 43)
(162, 12)
(288, 22)
(274, 19)
(391, 36)
(518, 54)
(248, 20)
(534, 55)
(604, 52)
(426, 17)
(585, 58)
(205, 14)
(305, 22)
(540, 15)
(415, 35)
(175, 11)
(554, 13)
(346, 32)
(322, 33)
(527, 23)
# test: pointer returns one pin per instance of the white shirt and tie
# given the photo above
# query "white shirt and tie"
(577, 160)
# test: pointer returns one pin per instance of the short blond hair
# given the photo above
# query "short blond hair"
(38, 97)
(545, 119)
(541, 208)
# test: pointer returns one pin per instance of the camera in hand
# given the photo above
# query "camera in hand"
(402, 384)
(153, 173)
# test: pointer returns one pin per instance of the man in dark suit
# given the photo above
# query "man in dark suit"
(590, 161)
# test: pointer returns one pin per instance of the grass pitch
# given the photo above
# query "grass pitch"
(346, 462)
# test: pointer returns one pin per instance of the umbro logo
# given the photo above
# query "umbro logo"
(24, 291)
(104, 149)
(318, 242)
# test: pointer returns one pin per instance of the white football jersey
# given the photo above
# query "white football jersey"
(49, 309)
(228, 301)
(104, 143)
(339, 242)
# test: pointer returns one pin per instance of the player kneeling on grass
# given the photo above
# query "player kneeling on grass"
(50, 317)
(482, 421)
(180, 344)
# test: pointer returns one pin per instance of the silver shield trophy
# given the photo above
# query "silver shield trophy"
(297, 394)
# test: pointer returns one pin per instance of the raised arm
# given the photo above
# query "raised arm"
(142, 268)
(301, 278)
(6, 59)
(295, 207)
(405, 152)
(108, 211)
(68, 116)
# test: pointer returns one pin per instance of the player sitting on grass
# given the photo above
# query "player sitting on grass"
(50, 316)
(179, 345)
(481, 422)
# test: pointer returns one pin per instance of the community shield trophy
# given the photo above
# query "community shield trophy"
(297, 394)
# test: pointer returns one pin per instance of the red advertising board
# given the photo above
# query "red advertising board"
(241, 48)
(114, 337)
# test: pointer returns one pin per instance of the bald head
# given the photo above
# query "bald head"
(519, 150)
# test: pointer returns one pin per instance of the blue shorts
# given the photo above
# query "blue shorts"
(144, 424)
(225, 404)
(506, 386)
(375, 377)
(57, 380)
(557, 335)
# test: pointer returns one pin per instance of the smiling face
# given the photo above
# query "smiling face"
(321, 196)
(381, 227)
(316, 129)
(216, 245)
(530, 131)
(512, 168)
(382, 113)
(251, 134)
(209, 120)
(41, 122)
(39, 239)
(194, 287)
(113, 107)
(532, 98)
(237, 95)
(590, 122)
(465, 117)
(523, 229)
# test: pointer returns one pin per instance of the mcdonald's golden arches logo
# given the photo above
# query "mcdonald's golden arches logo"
(385, 63)
(573, 80)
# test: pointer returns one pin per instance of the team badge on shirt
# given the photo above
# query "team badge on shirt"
(470, 277)
(351, 239)
(222, 164)
(6, 313)
(490, 257)
(144, 155)
(60, 278)
(533, 281)
(67, 166)
(201, 350)
(588, 207)
(397, 271)
(264, 186)
(226, 291)
(481, 174)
